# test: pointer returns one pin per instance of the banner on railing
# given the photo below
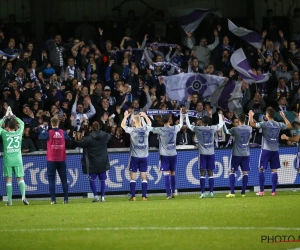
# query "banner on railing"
(187, 174)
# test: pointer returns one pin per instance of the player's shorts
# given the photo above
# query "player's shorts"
(168, 163)
(242, 161)
(18, 171)
(102, 176)
(267, 156)
(137, 163)
(206, 162)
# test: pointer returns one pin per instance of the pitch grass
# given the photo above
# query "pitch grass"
(185, 222)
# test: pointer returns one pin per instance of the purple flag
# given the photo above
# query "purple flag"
(240, 63)
(191, 18)
(249, 36)
(227, 96)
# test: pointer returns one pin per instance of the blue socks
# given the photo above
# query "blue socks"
(167, 185)
(102, 188)
(202, 184)
(245, 183)
(211, 181)
(132, 188)
(144, 188)
(173, 183)
(231, 182)
(262, 181)
(274, 181)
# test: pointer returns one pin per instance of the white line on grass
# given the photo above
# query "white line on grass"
(148, 229)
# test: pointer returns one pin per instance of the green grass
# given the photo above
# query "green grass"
(185, 222)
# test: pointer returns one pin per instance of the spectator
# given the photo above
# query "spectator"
(27, 143)
(71, 71)
(281, 90)
(56, 53)
(79, 113)
(184, 137)
(293, 83)
(203, 51)
(7, 75)
(117, 140)
(282, 105)
(257, 104)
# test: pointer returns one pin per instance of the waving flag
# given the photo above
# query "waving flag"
(227, 96)
(240, 63)
(189, 19)
(249, 36)
(178, 87)
(7, 55)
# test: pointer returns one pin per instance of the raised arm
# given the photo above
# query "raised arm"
(144, 42)
(295, 138)
(221, 120)
(216, 42)
(148, 121)
(5, 117)
(189, 42)
(251, 120)
(74, 107)
(149, 101)
(287, 122)
(21, 124)
(82, 143)
(123, 123)
(181, 118)
(188, 124)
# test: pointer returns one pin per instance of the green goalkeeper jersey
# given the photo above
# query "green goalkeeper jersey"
(12, 145)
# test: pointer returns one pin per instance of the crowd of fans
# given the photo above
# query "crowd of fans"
(99, 72)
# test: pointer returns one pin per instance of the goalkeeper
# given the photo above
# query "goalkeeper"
(12, 158)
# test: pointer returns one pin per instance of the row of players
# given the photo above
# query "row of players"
(12, 136)
(206, 162)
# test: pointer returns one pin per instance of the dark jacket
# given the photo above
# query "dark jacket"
(95, 157)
